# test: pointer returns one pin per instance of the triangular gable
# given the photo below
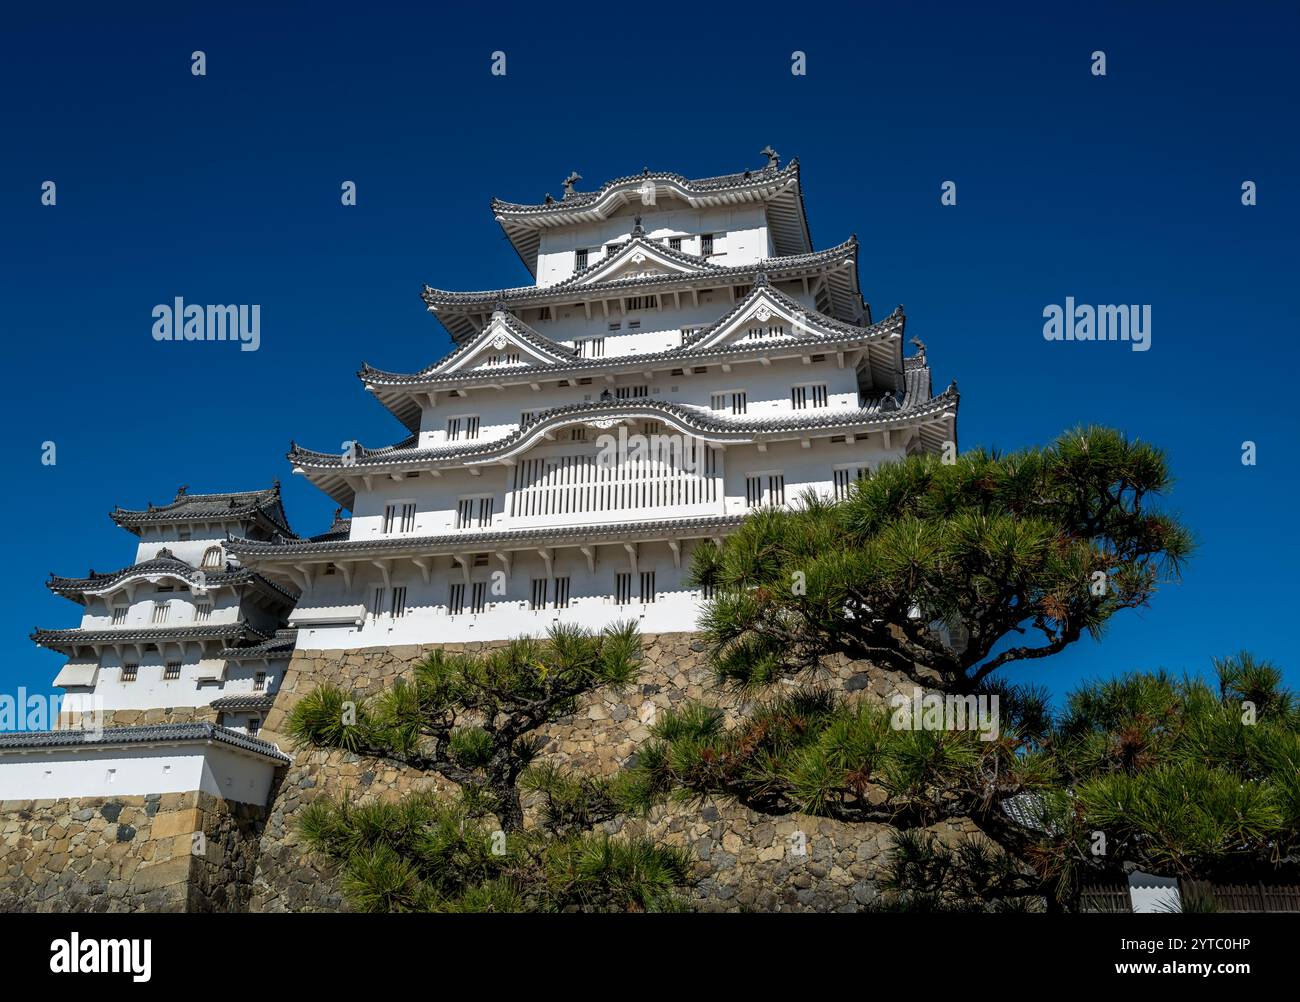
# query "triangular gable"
(498, 344)
(640, 258)
(764, 315)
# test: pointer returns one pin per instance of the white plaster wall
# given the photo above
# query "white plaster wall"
(592, 603)
(156, 537)
(183, 601)
(768, 387)
(740, 235)
(150, 689)
(507, 615)
(104, 772)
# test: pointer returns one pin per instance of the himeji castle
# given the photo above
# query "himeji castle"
(683, 356)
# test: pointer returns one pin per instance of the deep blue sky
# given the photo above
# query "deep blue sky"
(225, 188)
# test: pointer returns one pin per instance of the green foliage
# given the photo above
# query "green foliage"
(427, 854)
(1175, 775)
(996, 547)
(925, 875)
(473, 718)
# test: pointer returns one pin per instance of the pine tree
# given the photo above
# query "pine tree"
(946, 573)
(474, 719)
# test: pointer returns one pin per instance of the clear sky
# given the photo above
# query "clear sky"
(225, 189)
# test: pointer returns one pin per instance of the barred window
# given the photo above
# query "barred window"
(561, 593)
(630, 392)
(377, 605)
(479, 600)
(399, 516)
(161, 612)
(675, 243)
(466, 425)
(842, 482)
(456, 600)
(129, 672)
(259, 682)
(212, 557)
(647, 587)
(475, 512)
(119, 614)
(172, 670)
(765, 489)
(398, 605)
(590, 347)
(706, 244)
(802, 396)
(623, 588)
(580, 259)
(202, 612)
(735, 401)
(539, 595)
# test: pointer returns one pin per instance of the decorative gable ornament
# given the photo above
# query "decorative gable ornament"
(762, 314)
(499, 342)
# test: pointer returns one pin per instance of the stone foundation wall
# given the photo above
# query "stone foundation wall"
(156, 715)
(168, 852)
(743, 860)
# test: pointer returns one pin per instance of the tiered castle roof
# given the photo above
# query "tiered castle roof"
(776, 186)
(262, 509)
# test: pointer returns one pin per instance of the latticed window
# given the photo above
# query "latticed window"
(399, 516)
(706, 244)
(675, 243)
(202, 612)
(119, 614)
(846, 476)
(173, 670)
(475, 512)
(580, 259)
(765, 489)
(462, 426)
(813, 394)
(212, 558)
(679, 474)
(161, 612)
(735, 401)
(129, 672)
(259, 682)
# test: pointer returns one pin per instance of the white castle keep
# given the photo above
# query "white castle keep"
(683, 357)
